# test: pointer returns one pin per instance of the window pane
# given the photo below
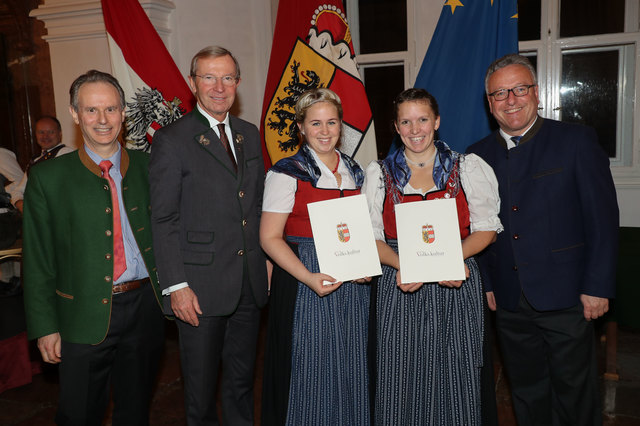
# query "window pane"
(383, 25)
(589, 93)
(588, 17)
(528, 20)
(382, 85)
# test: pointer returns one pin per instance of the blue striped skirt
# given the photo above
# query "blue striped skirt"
(329, 377)
(429, 352)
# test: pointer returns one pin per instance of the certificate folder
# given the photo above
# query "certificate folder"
(429, 241)
(343, 237)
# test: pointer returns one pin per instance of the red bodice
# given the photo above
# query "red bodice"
(453, 189)
(298, 223)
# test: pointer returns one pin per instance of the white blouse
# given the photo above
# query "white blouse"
(478, 181)
(280, 189)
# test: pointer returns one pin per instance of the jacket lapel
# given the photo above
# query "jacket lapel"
(238, 145)
(210, 142)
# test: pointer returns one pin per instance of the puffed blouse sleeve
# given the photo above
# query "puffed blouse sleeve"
(373, 189)
(481, 189)
(279, 193)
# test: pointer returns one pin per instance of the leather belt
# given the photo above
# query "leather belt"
(129, 285)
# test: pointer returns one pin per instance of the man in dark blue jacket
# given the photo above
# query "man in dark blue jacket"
(552, 270)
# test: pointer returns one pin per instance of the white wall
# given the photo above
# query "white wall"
(243, 27)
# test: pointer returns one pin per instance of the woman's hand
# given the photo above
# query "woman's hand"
(407, 287)
(362, 280)
(455, 284)
(318, 282)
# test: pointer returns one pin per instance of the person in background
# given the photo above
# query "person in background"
(429, 335)
(10, 174)
(553, 269)
(316, 357)
(90, 287)
(49, 139)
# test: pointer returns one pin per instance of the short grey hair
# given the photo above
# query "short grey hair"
(94, 76)
(505, 61)
(212, 52)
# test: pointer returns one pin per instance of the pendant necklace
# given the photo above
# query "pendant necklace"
(421, 164)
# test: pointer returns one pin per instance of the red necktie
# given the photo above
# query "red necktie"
(225, 143)
(119, 261)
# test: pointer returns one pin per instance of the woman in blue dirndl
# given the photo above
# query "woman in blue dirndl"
(316, 357)
(429, 335)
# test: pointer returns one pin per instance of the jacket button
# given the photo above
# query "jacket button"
(107, 232)
(107, 278)
(105, 187)
(514, 208)
(241, 194)
(105, 301)
(107, 256)
(515, 267)
(244, 222)
(240, 252)
(107, 210)
(516, 236)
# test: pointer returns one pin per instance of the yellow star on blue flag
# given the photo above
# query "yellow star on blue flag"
(453, 4)
(470, 35)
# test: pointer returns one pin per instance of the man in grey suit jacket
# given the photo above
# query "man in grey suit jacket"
(206, 176)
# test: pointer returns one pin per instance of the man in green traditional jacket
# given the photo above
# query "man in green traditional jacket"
(91, 290)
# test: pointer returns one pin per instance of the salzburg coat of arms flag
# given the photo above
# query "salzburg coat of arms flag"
(312, 48)
(155, 92)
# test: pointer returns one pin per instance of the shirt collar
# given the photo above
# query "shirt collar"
(212, 121)
(507, 137)
(115, 158)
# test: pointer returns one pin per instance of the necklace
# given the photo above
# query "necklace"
(421, 164)
(337, 164)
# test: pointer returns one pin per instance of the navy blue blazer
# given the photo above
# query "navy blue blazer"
(560, 216)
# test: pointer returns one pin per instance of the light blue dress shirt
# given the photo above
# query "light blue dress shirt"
(136, 268)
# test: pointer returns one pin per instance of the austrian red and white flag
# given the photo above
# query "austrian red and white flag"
(155, 91)
(312, 48)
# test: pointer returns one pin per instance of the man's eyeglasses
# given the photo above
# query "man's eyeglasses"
(519, 91)
(227, 80)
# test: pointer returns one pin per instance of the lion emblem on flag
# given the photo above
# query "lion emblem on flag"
(324, 59)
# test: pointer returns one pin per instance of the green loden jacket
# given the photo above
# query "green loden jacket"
(67, 243)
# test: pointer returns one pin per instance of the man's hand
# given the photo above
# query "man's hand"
(184, 304)
(491, 300)
(49, 346)
(594, 307)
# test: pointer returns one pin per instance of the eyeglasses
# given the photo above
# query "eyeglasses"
(227, 80)
(519, 91)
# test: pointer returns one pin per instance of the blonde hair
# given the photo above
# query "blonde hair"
(312, 97)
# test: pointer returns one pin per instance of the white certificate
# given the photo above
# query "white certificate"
(429, 241)
(343, 237)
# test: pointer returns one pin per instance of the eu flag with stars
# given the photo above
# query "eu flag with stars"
(470, 35)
